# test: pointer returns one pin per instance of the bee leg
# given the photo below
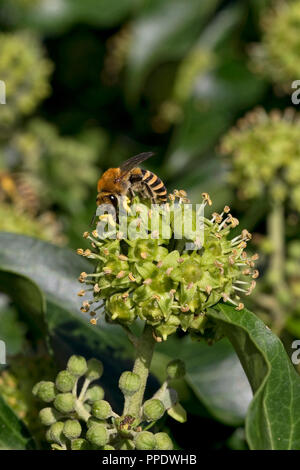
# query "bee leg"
(131, 192)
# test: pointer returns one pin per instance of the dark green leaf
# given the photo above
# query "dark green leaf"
(50, 18)
(273, 419)
(163, 31)
(12, 331)
(27, 296)
(54, 271)
(13, 434)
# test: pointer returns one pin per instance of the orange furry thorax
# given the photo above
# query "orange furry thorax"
(111, 182)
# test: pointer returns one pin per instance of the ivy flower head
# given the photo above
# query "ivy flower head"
(277, 56)
(264, 152)
(173, 275)
(25, 72)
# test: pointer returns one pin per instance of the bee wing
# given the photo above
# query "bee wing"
(135, 161)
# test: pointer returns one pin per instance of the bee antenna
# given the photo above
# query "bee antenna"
(93, 219)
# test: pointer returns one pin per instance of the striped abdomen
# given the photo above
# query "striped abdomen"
(154, 186)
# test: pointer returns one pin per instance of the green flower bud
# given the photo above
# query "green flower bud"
(77, 366)
(72, 428)
(87, 407)
(176, 369)
(166, 329)
(94, 393)
(49, 416)
(79, 444)
(65, 381)
(129, 383)
(198, 322)
(94, 369)
(127, 444)
(108, 447)
(92, 420)
(97, 434)
(56, 432)
(121, 309)
(48, 435)
(64, 402)
(101, 409)
(151, 312)
(45, 391)
(145, 440)
(163, 441)
(153, 409)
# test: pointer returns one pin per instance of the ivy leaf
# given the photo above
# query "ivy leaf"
(162, 32)
(29, 299)
(53, 273)
(46, 276)
(13, 433)
(273, 419)
(12, 331)
(45, 18)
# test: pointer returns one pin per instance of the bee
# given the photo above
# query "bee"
(15, 188)
(129, 179)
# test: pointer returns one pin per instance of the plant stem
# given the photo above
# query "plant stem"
(144, 353)
(81, 411)
(276, 234)
(277, 238)
(84, 389)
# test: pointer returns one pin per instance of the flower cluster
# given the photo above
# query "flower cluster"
(46, 227)
(277, 56)
(265, 155)
(59, 169)
(25, 72)
(161, 281)
(84, 420)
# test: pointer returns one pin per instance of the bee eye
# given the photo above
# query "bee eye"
(114, 200)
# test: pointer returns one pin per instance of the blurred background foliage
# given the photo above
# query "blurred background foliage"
(91, 83)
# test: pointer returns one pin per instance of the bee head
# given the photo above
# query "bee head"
(105, 198)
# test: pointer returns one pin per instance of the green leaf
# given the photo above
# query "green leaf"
(210, 111)
(100, 12)
(12, 331)
(52, 272)
(27, 296)
(13, 433)
(164, 31)
(48, 19)
(273, 419)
